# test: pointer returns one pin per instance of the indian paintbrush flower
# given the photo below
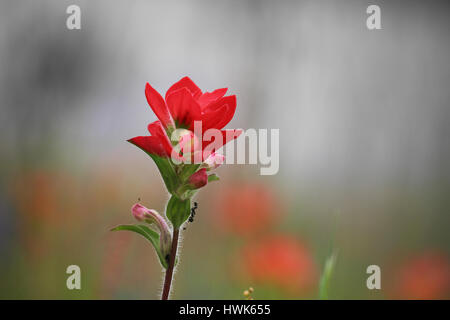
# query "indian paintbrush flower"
(280, 261)
(424, 275)
(184, 105)
(176, 144)
(246, 209)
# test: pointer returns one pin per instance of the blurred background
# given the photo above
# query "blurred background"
(364, 147)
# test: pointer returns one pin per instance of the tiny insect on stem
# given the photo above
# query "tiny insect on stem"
(193, 212)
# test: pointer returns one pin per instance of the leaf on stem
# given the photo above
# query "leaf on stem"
(213, 177)
(178, 211)
(149, 234)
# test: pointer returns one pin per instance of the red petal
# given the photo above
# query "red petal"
(231, 134)
(227, 136)
(219, 114)
(231, 100)
(186, 82)
(213, 119)
(209, 97)
(156, 130)
(183, 107)
(158, 105)
(149, 144)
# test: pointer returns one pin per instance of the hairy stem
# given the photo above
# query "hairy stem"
(169, 271)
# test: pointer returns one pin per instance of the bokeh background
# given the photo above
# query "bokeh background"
(364, 147)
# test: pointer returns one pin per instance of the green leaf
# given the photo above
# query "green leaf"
(167, 170)
(188, 194)
(150, 235)
(213, 177)
(178, 211)
(326, 276)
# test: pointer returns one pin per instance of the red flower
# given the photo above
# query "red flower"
(282, 261)
(246, 209)
(425, 276)
(185, 103)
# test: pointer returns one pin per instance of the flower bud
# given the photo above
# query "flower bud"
(213, 161)
(198, 179)
(141, 213)
(187, 145)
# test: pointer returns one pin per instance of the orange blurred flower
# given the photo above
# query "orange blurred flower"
(35, 194)
(424, 276)
(247, 208)
(113, 264)
(51, 203)
(282, 261)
